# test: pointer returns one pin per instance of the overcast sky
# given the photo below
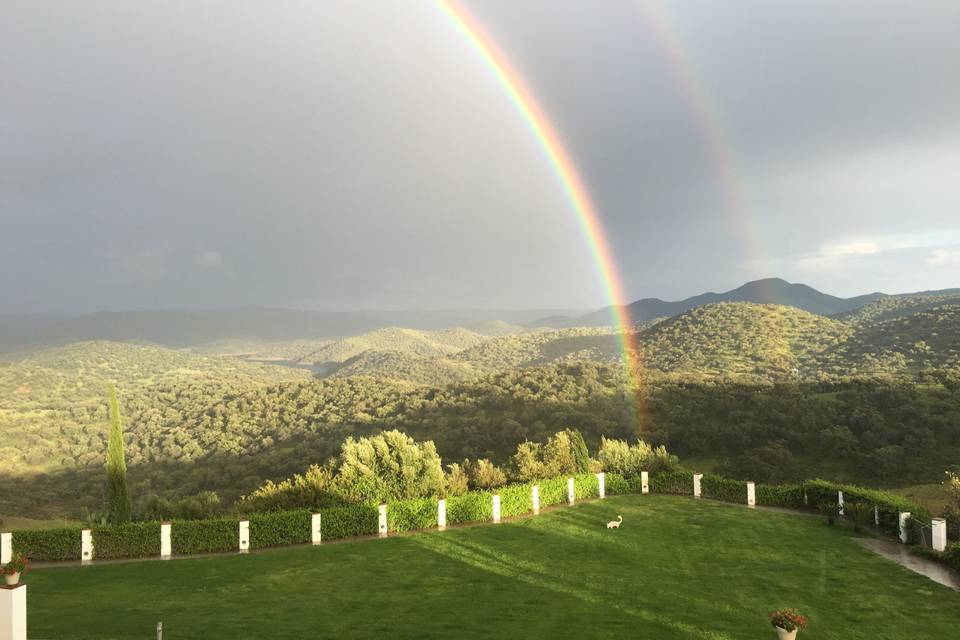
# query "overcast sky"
(345, 155)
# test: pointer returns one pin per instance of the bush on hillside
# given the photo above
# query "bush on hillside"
(629, 460)
(315, 489)
(484, 474)
(389, 466)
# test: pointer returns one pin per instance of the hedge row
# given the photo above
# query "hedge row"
(408, 515)
(48, 545)
(347, 522)
(131, 540)
(950, 557)
(201, 536)
(280, 528)
(888, 504)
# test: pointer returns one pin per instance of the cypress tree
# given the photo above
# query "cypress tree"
(581, 457)
(118, 499)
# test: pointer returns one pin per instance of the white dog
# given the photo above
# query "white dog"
(615, 524)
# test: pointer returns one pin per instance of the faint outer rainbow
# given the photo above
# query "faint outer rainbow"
(558, 157)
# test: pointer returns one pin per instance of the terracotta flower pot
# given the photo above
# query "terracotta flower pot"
(783, 634)
(12, 578)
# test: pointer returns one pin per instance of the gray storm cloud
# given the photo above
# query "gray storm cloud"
(349, 155)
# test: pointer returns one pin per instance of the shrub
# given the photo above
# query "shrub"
(616, 484)
(528, 461)
(130, 540)
(484, 474)
(48, 545)
(629, 460)
(347, 522)
(456, 482)
(389, 466)
(280, 528)
(861, 513)
(408, 515)
(830, 510)
(313, 490)
(205, 504)
(204, 536)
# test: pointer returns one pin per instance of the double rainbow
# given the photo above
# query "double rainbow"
(566, 172)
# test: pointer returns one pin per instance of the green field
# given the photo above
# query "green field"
(677, 568)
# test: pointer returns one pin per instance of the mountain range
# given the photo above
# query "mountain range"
(190, 328)
(766, 291)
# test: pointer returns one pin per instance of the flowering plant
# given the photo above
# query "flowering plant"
(19, 564)
(788, 619)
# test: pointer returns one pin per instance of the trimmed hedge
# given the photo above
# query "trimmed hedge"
(586, 485)
(889, 505)
(789, 496)
(553, 491)
(408, 515)
(349, 522)
(679, 482)
(280, 528)
(204, 536)
(717, 488)
(476, 506)
(950, 557)
(516, 499)
(130, 540)
(48, 545)
(616, 484)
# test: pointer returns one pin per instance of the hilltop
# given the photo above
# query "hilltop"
(733, 339)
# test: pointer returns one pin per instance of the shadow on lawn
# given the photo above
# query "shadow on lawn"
(493, 557)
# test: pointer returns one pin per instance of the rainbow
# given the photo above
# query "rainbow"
(566, 172)
(707, 117)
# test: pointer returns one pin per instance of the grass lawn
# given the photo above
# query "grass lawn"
(677, 568)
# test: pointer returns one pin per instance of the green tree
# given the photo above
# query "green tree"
(118, 498)
(389, 466)
(581, 456)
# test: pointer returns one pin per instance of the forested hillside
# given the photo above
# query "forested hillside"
(765, 391)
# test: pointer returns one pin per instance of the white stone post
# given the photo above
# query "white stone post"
(535, 496)
(570, 492)
(840, 502)
(316, 529)
(86, 546)
(496, 508)
(697, 477)
(805, 500)
(644, 482)
(6, 547)
(244, 538)
(382, 528)
(939, 530)
(165, 546)
(13, 612)
(751, 494)
(442, 514)
(601, 486)
(876, 515)
(904, 533)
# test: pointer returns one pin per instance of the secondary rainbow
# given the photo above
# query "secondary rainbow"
(564, 168)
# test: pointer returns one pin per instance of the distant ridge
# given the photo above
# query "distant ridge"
(766, 291)
(186, 328)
